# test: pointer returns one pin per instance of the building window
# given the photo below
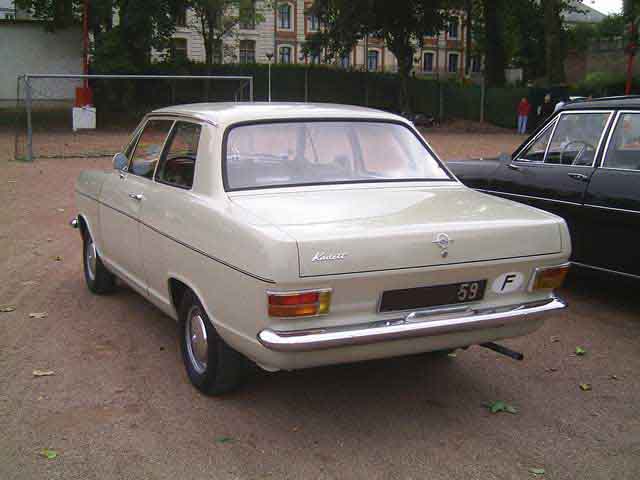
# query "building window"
(247, 51)
(181, 16)
(476, 64)
(284, 16)
(452, 28)
(248, 14)
(345, 62)
(373, 60)
(285, 55)
(427, 64)
(453, 63)
(179, 47)
(313, 23)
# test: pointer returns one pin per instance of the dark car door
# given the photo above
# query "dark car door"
(612, 202)
(553, 171)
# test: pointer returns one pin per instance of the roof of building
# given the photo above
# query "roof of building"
(227, 113)
(582, 13)
(629, 101)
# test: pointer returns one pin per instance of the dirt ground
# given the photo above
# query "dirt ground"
(119, 404)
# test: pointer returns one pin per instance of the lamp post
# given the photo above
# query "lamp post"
(303, 58)
(270, 58)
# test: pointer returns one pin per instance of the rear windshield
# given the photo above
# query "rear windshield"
(322, 152)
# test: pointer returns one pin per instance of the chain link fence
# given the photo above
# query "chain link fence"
(49, 125)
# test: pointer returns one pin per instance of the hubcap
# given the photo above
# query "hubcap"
(196, 340)
(91, 259)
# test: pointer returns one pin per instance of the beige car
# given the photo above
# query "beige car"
(299, 235)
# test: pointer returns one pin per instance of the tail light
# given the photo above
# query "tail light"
(307, 303)
(546, 278)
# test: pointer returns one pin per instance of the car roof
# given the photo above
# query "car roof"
(622, 102)
(225, 113)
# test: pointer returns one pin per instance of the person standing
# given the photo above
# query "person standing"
(524, 108)
(546, 109)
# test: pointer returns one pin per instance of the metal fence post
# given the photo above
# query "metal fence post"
(27, 96)
(251, 89)
(482, 95)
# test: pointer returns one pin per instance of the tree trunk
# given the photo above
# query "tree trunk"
(468, 8)
(495, 54)
(554, 51)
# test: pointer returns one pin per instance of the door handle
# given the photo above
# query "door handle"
(578, 176)
(514, 167)
(136, 196)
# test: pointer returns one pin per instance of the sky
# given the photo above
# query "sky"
(605, 6)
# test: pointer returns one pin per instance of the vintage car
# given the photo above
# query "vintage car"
(584, 165)
(299, 235)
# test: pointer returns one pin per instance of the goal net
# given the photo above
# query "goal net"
(57, 117)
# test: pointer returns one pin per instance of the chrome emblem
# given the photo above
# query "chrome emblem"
(328, 257)
(443, 241)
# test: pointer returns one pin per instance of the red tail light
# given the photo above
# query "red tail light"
(299, 304)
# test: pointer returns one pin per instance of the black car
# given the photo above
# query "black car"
(583, 164)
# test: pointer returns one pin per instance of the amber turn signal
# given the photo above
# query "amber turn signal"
(546, 278)
(299, 304)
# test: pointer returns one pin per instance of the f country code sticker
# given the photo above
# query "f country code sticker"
(508, 282)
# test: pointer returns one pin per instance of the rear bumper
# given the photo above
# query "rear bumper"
(458, 320)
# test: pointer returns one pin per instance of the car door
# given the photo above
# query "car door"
(166, 209)
(553, 171)
(122, 197)
(612, 202)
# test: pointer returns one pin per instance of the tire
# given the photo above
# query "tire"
(213, 367)
(99, 280)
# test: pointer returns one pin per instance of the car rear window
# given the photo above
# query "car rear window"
(324, 152)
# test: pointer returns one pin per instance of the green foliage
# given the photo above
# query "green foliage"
(402, 26)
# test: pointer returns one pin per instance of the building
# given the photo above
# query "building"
(286, 28)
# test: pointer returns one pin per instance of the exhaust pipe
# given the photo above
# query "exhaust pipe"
(503, 350)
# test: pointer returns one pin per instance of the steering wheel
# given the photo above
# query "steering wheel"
(582, 149)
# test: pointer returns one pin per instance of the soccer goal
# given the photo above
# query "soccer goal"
(70, 116)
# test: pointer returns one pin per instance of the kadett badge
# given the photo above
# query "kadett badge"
(328, 257)
(443, 241)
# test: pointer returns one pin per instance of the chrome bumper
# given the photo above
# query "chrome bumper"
(457, 320)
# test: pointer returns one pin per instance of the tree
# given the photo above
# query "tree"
(141, 26)
(401, 24)
(496, 61)
(218, 20)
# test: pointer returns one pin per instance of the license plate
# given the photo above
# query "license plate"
(425, 297)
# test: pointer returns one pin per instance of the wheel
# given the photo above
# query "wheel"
(212, 366)
(99, 279)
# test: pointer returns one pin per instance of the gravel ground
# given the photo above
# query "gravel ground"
(119, 404)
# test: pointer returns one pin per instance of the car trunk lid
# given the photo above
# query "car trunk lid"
(354, 230)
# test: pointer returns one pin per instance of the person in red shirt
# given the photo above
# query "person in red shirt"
(524, 108)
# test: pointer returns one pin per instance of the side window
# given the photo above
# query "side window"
(147, 152)
(624, 146)
(178, 162)
(576, 138)
(535, 151)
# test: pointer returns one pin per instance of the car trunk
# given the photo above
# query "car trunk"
(386, 228)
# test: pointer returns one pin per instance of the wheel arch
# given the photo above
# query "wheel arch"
(177, 286)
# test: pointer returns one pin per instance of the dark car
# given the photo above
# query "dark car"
(583, 164)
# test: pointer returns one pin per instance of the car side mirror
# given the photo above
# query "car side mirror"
(120, 161)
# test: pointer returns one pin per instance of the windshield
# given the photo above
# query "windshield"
(324, 152)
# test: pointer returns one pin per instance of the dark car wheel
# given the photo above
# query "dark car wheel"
(99, 279)
(213, 366)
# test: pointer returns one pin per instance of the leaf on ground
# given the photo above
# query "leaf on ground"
(500, 406)
(452, 354)
(537, 471)
(61, 210)
(12, 181)
(38, 315)
(29, 283)
(613, 377)
(580, 351)
(551, 369)
(58, 258)
(555, 339)
(7, 308)
(43, 373)
(49, 454)
(224, 439)
(585, 387)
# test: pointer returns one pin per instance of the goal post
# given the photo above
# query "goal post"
(57, 119)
